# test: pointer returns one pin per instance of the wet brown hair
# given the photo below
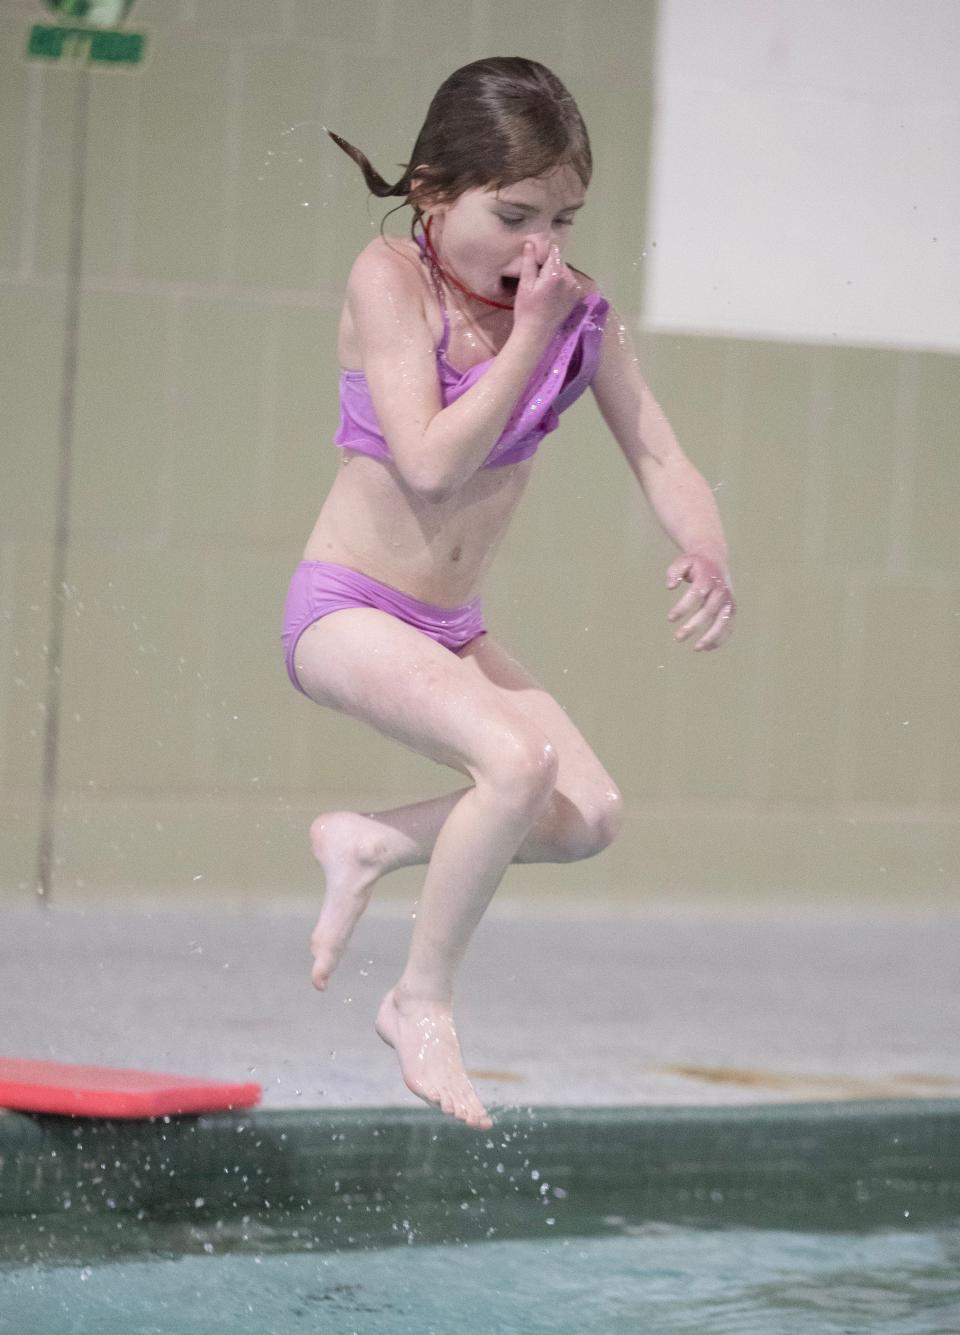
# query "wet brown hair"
(490, 124)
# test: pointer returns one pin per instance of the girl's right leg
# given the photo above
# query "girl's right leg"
(378, 669)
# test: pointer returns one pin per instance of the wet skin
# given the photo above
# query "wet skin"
(478, 239)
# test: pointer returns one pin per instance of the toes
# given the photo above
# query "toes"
(434, 1096)
(477, 1115)
(325, 941)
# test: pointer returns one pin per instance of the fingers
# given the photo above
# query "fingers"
(707, 609)
(721, 630)
(692, 598)
(552, 267)
(716, 611)
(709, 598)
(528, 265)
(678, 570)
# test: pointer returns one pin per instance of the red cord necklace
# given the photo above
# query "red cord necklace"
(500, 305)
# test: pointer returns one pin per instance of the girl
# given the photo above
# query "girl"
(459, 348)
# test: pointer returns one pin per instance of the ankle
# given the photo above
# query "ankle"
(369, 844)
(408, 994)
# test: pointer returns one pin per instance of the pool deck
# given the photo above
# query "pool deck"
(590, 1005)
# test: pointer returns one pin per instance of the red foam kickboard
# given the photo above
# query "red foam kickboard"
(106, 1091)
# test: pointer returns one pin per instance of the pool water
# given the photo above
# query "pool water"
(830, 1219)
(589, 1272)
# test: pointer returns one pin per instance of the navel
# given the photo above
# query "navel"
(455, 554)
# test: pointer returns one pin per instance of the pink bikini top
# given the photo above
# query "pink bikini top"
(561, 376)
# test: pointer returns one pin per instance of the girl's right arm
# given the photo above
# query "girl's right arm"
(436, 449)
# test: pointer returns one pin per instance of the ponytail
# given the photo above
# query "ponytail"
(375, 182)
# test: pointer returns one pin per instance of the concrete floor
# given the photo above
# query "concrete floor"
(588, 1005)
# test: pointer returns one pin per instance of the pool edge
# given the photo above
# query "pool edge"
(236, 1160)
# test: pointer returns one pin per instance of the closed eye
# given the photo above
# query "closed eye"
(515, 222)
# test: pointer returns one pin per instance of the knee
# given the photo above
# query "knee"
(526, 770)
(600, 823)
(611, 818)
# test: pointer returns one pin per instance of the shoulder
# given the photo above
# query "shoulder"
(389, 255)
(387, 267)
(389, 277)
(386, 310)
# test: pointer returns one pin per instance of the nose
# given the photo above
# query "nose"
(542, 241)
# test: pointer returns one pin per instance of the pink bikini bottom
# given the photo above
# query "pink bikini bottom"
(320, 587)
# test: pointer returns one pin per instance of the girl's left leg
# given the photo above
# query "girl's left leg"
(583, 816)
(355, 850)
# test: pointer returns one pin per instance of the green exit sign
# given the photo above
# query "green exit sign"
(90, 34)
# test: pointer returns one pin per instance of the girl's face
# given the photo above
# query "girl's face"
(480, 237)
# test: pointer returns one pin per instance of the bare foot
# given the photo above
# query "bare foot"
(351, 862)
(422, 1034)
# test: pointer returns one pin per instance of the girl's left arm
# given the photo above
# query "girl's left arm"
(677, 492)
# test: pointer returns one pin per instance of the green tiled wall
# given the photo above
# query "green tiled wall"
(814, 756)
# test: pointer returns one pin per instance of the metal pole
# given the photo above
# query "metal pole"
(51, 736)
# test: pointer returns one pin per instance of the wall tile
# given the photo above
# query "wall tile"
(56, 145)
(25, 572)
(799, 710)
(302, 383)
(180, 208)
(123, 419)
(936, 473)
(897, 690)
(299, 199)
(358, 27)
(214, 453)
(114, 146)
(15, 109)
(135, 698)
(31, 371)
(774, 460)
(860, 423)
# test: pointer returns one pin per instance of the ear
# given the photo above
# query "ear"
(426, 204)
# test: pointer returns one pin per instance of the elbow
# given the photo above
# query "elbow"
(427, 483)
(435, 492)
(420, 474)
(431, 488)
